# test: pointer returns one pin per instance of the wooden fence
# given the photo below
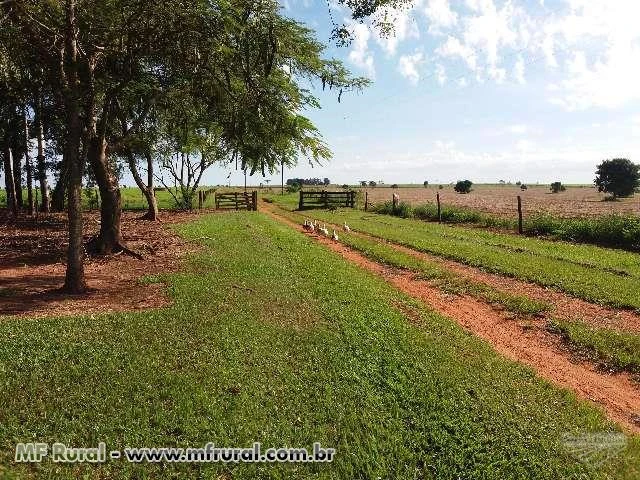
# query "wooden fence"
(237, 201)
(326, 199)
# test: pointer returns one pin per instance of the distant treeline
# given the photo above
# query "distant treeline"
(308, 181)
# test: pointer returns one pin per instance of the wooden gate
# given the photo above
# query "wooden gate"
(237, 201)
(326, 199)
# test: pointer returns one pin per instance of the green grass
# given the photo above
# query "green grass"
(276, 339)
(615, 349)
(596, 274)
(444, 279)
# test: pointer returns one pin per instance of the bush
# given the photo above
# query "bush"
(345, 187)
(403, 209)
(293, 187)
(463, 186)
(372, 183)
(440, 187)
(395, 185)
(557, 187)
(426, 184)
(523, 187)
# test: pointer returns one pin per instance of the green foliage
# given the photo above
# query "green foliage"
(395, 186)
(620, 231)
(615, 349)
(463, 186)
(426, 184)
(618, 177)
(557, 187)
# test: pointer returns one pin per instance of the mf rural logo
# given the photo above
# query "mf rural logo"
(594, 448)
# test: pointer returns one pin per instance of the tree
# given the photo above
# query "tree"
(395, 185)
(426, 184)
(618, 177)
(326, 182)
(363, 183)
(557, 187)
(372, 183)
(463, 186)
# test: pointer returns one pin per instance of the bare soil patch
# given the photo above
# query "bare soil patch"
(32, 268)
(523, 340)
(501, 200)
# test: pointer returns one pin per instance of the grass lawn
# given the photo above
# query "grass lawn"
(593, 273)
(273, 338)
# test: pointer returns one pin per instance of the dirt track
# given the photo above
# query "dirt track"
(525, 341)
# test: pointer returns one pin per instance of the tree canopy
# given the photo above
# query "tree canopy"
(619, 177)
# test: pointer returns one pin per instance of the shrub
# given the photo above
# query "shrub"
(618, 177)
(372, 183)
(403, 209)
(293, 187)
(463, 186)
(557, 187)
(426, 184)
(395, 185)
(440, 187)
(345, 187)
(523, 187)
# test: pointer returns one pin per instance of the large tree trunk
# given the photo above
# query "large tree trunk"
(8, 180)
(109, 240)
(74, 280)
(28, 165)
(45, 204)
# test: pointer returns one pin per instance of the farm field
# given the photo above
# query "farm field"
(593, 273)
(501, 200)
(273, 337)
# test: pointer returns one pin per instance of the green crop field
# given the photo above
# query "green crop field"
(600, 275)
(273, 338)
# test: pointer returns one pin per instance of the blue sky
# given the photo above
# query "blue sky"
(481, 89)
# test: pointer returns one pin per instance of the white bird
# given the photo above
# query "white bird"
(334, 236)
(346, 227)
(312, 227)
(324, 230)
(305, 225)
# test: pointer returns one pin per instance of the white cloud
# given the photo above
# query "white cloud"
(491, 29)
(360, 55)
(441, 74)
(440, 15)
(597, 44)
(517, 129)
(408, 66)
(454, 48)
(518, 71)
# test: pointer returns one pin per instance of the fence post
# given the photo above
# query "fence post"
(301, 201)
(520, 229)
(215, 199)
(366, 200)
(254, 199)
(200, 199)
(235, 196)
(439, 211)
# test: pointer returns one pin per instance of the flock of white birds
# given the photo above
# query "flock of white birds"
(311, 226)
